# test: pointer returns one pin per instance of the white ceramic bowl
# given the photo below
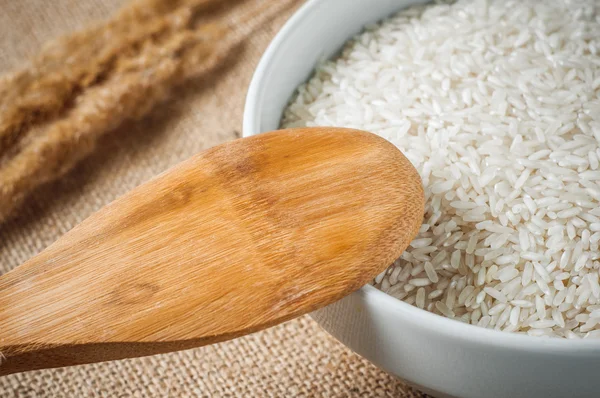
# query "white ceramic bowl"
(443, 357)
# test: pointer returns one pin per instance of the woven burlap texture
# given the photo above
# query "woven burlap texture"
(296, 359)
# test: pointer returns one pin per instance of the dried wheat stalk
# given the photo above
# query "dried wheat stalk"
(80, 87)
(73, 63)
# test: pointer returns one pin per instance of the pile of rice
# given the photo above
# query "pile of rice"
(497, 104)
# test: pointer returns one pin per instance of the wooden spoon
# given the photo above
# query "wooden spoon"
(239, 238)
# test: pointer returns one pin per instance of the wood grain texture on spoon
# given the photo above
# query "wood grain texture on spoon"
(240, 237)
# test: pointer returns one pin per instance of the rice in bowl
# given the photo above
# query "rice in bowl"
(497, 105)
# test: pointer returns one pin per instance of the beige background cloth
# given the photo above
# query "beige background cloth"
(296, 359)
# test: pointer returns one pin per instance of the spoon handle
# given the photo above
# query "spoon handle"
(137, 277)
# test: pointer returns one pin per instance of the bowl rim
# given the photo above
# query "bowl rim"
(374, 297)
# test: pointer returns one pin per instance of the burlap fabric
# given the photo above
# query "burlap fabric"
(296, 359)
